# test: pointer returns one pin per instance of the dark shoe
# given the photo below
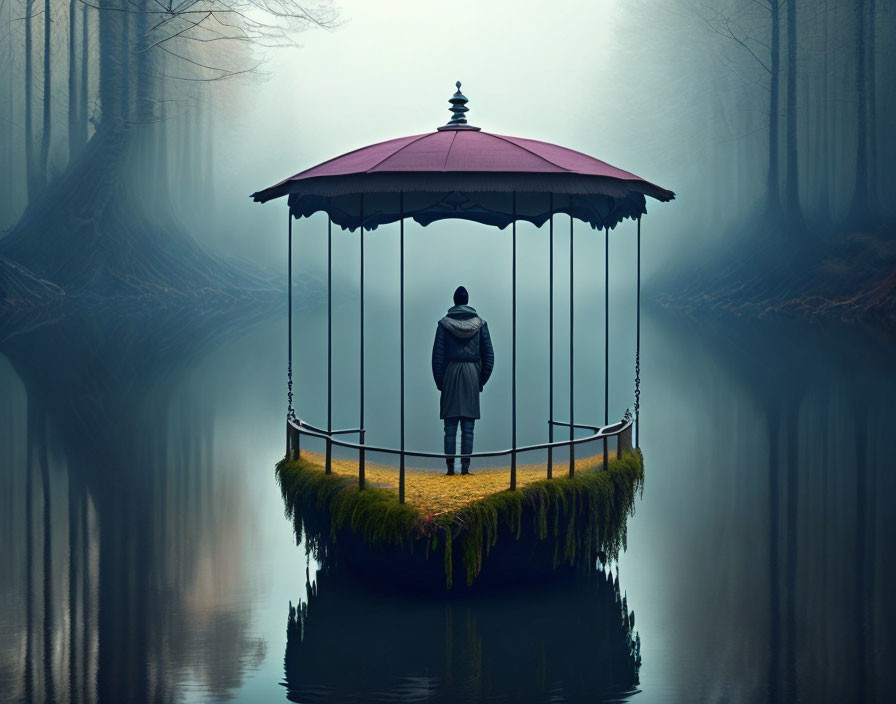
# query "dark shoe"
(465, 469)
(450, 471)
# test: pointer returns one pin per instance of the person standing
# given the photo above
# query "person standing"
(462, 362)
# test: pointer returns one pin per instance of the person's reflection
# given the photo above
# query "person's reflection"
(571, 639)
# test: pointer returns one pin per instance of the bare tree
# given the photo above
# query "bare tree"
(774, 196)
(791, 190)
(30, 171)
(48, 86)
(105, 222)
(872, 87)
(743, 27)
(74, 106)
(864, 208)
(84, 86)
(8, 123)
(859, 209)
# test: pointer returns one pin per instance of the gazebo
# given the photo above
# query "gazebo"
(459, 171)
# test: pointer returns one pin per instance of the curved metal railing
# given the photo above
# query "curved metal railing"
(622, 430)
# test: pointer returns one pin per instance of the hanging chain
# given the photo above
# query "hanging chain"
(290, 412)
(637, 382)
(638, 343)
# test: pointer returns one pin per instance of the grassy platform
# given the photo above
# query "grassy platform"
(434, 493)
(544, 523)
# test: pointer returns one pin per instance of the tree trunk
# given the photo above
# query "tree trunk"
(823, 127)
(30, 176)
(773, 198)
(110, 52)
(160, 154)
(144, 117)
(9, 143)
(73, 106)
(859, 209)
(186, 162)
(194, 135)
(872, 105)
(125, 67)
(209, 156)
(85, 58)
(48, 86)
(792, 191)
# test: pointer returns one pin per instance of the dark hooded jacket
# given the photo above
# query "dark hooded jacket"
(462, 361)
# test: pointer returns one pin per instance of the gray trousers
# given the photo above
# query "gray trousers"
(466, 439)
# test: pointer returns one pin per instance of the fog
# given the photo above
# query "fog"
(132, 149)
(677, 93)
(651, 87)
(143, 331)
(385, 74)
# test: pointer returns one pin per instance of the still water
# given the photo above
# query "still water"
(146, 557)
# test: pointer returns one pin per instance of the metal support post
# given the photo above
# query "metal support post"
(572, 404)
(328, 465)
(551, 338)
(606, 335)
(513, 365)
(361, 452)
(401, 355)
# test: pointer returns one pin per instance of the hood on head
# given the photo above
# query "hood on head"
(462, 321)
(463, 311)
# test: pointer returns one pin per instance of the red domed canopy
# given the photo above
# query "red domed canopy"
(459, 171)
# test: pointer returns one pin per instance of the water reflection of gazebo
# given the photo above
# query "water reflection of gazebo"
(458, 171)
(522, 644)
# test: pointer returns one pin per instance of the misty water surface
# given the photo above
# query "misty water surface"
(753, 575)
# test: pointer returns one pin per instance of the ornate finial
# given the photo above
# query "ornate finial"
(459, 107)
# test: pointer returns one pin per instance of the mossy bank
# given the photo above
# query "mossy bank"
(505, 536)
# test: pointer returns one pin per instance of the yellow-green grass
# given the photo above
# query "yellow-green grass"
(435, 493)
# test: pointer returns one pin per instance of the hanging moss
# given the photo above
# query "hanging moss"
(580, 515)
(308, 492)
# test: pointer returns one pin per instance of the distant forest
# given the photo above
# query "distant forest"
(778, 114)
(772, 119)
(817, 62)
(106, 137)
(778, 106)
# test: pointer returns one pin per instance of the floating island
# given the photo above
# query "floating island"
(465, 529)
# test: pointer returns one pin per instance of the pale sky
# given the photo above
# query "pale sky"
(530, 69)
